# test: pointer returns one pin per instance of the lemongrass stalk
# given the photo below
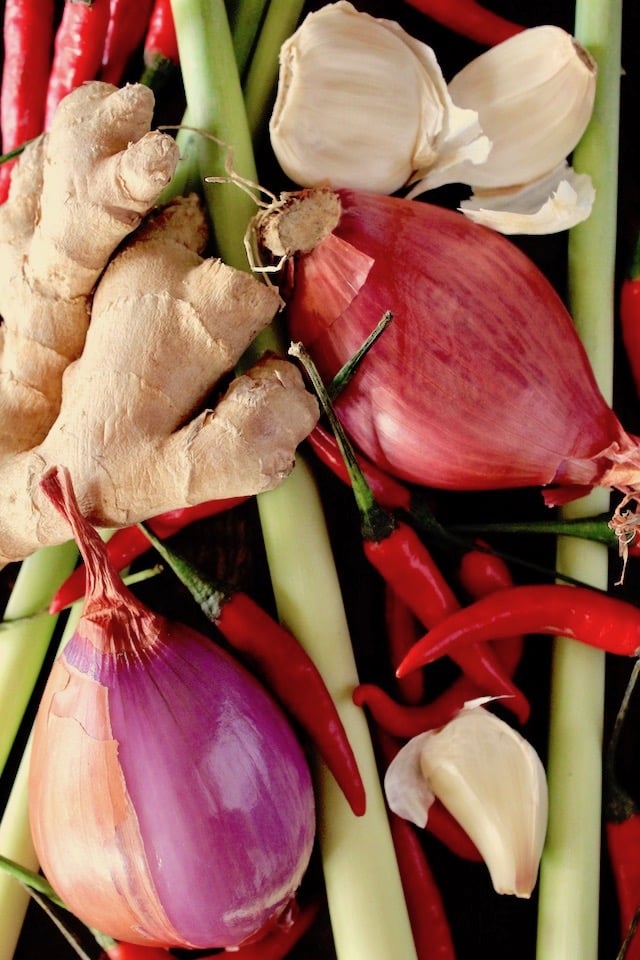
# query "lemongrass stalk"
(280, 22)
(366, 904)
(570, 868)
(24, 644)
(245, 19)
(215, 104)
(368, 912)
(15, 837)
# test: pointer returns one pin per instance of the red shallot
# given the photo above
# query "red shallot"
(170, 801)
(480, 382)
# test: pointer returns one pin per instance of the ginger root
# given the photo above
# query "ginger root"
(147, 420)
(76, 193)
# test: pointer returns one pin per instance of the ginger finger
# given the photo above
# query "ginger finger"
(76, 193)
(140, 427)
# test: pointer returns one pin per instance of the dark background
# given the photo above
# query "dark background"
(482, 923)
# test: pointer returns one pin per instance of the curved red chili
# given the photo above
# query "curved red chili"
(427, 915)
(482, 572)
(27, 36)
(126, 30)
(469, 19)
(396, 551)
(78, 48)
(277, 658)
(279, 942)
(133, 951)
(405, 563)
(630, 318)
(401, 634)
(129, 543)
(408, 720)
(581, 613)
(388, 491)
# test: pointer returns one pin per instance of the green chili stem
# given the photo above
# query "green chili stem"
(570, 868)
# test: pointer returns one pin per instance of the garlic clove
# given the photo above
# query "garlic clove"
(491, 780)
(534, 96)
(553, 203)
(361, 103)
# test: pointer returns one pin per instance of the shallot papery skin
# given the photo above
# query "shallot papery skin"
(480, 381)
(170, 801)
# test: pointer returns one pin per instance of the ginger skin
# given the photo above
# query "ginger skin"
(139, 427)
(76, 193)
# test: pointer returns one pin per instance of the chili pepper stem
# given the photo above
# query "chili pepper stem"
(346, 372)
(376, 523)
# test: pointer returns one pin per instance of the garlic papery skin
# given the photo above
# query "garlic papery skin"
(361, 103)
(490, 779)
(555, 202)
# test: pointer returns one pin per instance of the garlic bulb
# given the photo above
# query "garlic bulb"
(534, 95)
(361, 103)
(490, 779)
(170, 801)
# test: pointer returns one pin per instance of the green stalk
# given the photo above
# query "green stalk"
(215, 105)
(245, 18)
(368, 912)
(570, 869)
(15, 838)
(24, 644)
(280, 22)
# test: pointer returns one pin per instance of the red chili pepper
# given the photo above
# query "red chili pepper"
(277, 658)
(405, 563)
(581, 613)
(128, 22)
(622, 824)
(128, 544)
(278, 943)
(27, 36)
(388, 491)
(630, 315)
(402, 633)
(408, 720)
(78, 48)
(133, 951)
(469, 19)
(396, 551)
(160, 44)
(427, 916)
(482, 572)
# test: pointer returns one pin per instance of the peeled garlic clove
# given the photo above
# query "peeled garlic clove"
(491, 780)
(361, 103)
(534, 97)
(556, 202)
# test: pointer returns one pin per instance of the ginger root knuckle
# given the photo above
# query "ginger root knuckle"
(119, 400)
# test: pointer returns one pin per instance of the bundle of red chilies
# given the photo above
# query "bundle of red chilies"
(49, 51)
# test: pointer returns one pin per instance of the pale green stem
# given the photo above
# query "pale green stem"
(24, 644)
(245, 18)
(280, 22)
(368, 912)
(16, 842)
(569, 877)
(364, 892)
(216, 105)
